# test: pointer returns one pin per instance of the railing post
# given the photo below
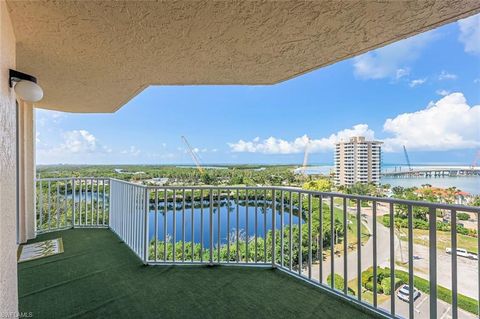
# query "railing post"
(211, 226)
(432, 220)
(145, 228)
(110, 202)
(73, 204)
(274, 204)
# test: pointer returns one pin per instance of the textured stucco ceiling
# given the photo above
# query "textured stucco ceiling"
(94, 56)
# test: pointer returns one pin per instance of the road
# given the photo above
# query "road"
(422, 309)
(467, 269)
(383, 253)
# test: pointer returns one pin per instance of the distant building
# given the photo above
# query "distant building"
(357, 161)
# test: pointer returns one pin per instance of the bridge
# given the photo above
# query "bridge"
(434, 172)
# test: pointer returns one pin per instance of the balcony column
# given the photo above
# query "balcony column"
(8, 168)
(26, 163)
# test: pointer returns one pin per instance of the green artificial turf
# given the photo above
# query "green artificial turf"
(99, 277)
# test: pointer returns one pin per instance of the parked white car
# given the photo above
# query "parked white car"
(462, 253)
(404, 293)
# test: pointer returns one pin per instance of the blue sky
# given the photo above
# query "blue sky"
(422, 92)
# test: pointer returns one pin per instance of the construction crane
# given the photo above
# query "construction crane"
(305, 157)
(193, 154)
(476, 159)
(406, 157)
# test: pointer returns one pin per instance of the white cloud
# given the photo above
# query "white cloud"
(273, 145)
(392, 61)
(79, 141)
(416, 82)
(476, 81)
(76, 146)
(470, 34)
(444, 75)
(442, 92)
(400, 73)
(447, 124)
(47, 117)
(132, 150)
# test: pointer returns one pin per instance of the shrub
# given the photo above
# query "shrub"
(420, 224)
(463, 216)
(339, 283)
(385, 284)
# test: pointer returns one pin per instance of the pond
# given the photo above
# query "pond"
(228, 221)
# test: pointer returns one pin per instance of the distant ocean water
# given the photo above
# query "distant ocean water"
(469, 184)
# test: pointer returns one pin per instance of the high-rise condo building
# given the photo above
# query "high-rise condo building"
(357, 161)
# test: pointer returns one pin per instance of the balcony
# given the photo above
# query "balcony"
(259, 228)
(99, 276)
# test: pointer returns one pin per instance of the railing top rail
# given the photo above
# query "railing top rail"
(463, 208)
(54, 179)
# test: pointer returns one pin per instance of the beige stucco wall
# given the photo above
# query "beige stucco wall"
(26, 158)
(8, 246)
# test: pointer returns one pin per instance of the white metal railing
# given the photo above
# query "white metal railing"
(128, 215)
(63, 203)
(342, 243)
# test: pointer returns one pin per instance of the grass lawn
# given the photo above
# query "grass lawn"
(351, 235)
(420, 237)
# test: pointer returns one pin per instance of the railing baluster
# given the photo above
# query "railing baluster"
(201, 225)
(74, 190)
(247, 234)
(410, 263)
(236, 229)
(228, 225)
(65, 201)
(359, 250)
(255, 257)
(49, 205)
(211, 225)
(432, 233)
(274, 226)
(392, 259)
(282, 201)
(183, 220)
(332, 244)
(309, 236)
(192, 225)
(40, 226)
(174, 220)
(453, 227)
(98, 201)
(85, 205)
(165, 210)
(300, 246)
(374, 248)
(103, 202)
(146, 203)
(320, 240)
(345, 247)
(290, 231)
(219, 212)
(57, 205)
(265, 205)
(91, 201)
(80, 203)
(155, 231)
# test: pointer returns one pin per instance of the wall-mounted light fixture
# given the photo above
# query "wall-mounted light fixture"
(25, 86)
